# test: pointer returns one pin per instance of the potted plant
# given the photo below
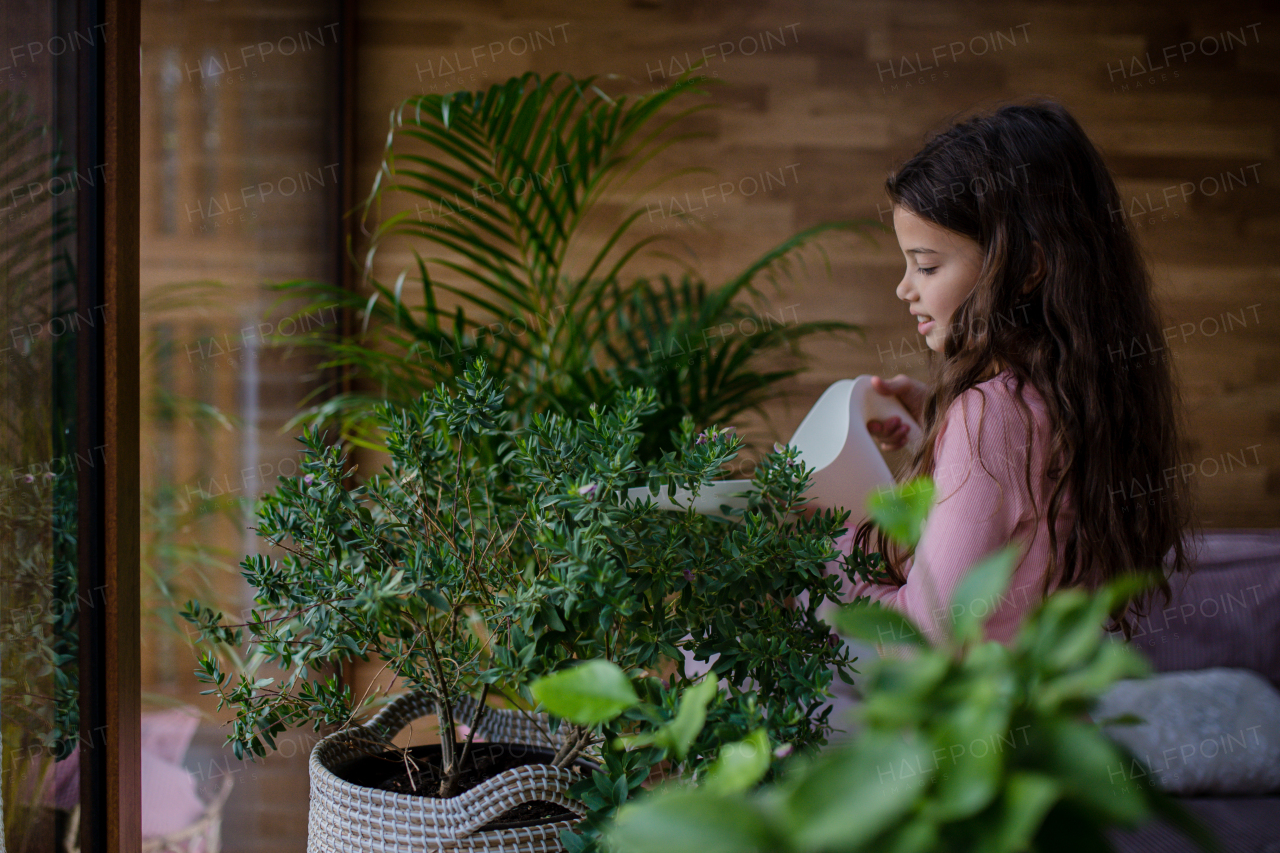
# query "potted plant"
(963, 745)
(529, 210)
(471, 576)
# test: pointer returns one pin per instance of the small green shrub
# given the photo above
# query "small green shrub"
(477, 577)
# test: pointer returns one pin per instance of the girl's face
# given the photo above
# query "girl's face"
(942, 270)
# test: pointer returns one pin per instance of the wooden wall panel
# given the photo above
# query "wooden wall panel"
(833, 98)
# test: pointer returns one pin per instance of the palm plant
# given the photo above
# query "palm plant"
(524, 258)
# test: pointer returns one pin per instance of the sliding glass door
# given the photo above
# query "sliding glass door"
(68, 461)
(39, 643)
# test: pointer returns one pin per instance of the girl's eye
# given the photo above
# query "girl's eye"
(927, 270)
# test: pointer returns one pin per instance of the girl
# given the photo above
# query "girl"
(1042, 424)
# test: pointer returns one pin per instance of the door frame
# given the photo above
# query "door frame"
(107, 417)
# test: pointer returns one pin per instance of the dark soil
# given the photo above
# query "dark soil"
(420, 776)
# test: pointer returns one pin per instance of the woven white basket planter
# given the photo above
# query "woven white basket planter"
(350, 818)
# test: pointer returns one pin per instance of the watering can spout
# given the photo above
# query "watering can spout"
(833, 440)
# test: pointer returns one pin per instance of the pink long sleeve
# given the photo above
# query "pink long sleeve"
(982, 503)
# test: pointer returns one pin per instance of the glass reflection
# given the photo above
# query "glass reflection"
(239, 167)
(40, 739)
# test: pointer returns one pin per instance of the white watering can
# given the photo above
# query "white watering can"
(832, 439)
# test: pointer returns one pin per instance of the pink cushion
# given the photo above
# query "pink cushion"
(167, 734)
(169, 799)
(63, 789)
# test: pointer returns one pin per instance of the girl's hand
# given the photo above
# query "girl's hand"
(910, 393)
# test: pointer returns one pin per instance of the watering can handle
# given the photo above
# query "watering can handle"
(881, 407)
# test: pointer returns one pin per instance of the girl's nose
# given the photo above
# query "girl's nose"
(903, 290)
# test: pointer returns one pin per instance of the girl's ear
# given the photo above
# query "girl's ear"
(1038, 272)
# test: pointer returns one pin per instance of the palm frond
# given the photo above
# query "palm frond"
(511, 178)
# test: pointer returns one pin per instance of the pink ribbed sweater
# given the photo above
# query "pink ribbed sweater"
(982, 502)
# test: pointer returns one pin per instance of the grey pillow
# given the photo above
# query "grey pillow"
(1213, 731)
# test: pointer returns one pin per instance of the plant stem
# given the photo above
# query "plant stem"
(444, 711)
(570, 740)
(449, 769)
(579, 743)
(471, 729)
(577, 750)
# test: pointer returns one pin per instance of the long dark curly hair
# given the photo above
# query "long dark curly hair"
(1064, 303)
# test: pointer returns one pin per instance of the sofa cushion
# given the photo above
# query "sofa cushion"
(1239, 824)
(1214, 731)
(1224, 613)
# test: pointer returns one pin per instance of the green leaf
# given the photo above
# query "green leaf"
(900, 512)
(678, 734)
(857, 792)
(588, 694)
(916, 835)
(970, 780)
(1112, 662)
(1026, 799)
(694, 820)
(977, 596)
(1090, 770)
(551, 617)
(740, 765)
(872, 622)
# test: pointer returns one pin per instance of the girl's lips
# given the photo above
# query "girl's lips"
(924, 326)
